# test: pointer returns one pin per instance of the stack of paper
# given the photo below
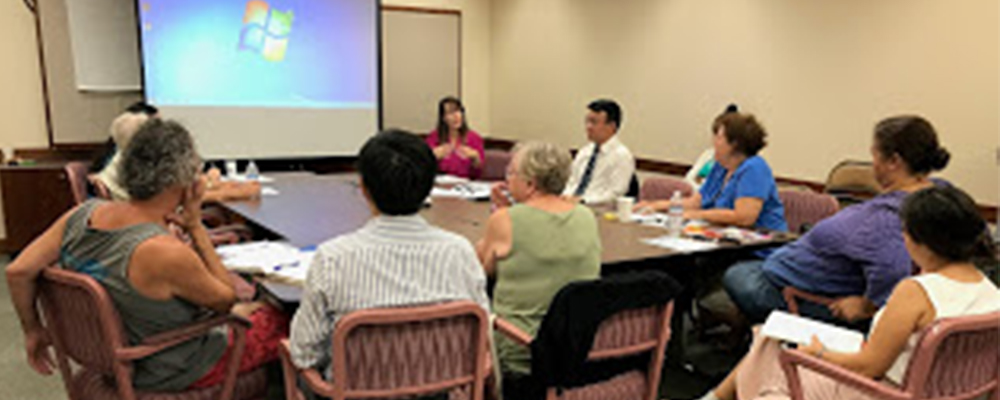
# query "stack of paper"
(744, 236)
(245, 178)
(294, 272)
(468, 191)
(681, 244)
(449, 180)
(651, 219)
(792, 328)
(276, 259)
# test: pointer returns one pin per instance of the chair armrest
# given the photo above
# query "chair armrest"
(312, 377)
(791, 293)
(318, 385)
(791, 360)
(512, 332)
(159, 342)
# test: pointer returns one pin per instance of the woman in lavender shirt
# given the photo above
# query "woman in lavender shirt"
(857, 255)
(459, 150)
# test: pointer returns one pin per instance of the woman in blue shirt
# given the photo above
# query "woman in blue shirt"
(740, 190)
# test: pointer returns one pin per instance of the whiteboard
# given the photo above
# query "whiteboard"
(104, 45)
(420, 66)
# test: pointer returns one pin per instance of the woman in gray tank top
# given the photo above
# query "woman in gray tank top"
(156, 282)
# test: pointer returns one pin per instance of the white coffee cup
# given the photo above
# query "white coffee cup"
(231, 170)
(625, 205)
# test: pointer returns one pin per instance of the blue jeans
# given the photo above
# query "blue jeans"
(756, 295)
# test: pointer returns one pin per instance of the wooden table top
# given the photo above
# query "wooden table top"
(311, 209)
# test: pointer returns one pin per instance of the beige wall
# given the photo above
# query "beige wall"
(819, 74)
(77, 117)
(476, 54)
(22, 117)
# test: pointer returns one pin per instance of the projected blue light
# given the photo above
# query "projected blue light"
(257, 53)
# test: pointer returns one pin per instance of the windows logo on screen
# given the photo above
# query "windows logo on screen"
(266, 30)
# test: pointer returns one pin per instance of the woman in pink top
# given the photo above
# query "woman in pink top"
(458, 149)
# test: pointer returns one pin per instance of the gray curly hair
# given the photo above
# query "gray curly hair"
(545, 164)
(161, 155)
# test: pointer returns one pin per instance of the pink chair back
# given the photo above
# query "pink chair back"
(957, 358)
(85, 328)
(806, 207)
(83, 324)
(76, 174)
(495, 165)
(395, 352)
(662, 188)
(853, 180)
(629, 333)
(80, 319)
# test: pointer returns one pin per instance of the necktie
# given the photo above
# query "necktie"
(587, 173)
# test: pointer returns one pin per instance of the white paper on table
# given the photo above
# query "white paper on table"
(269, 191)
(468, 191)
(258, 257)
(449, 180)
(651, 219)
(680, 244)
(443, 192)
(294, 272)
(743, 235)
(792, 328)
(244, 178)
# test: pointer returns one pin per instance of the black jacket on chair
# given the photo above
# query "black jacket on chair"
(566, 335)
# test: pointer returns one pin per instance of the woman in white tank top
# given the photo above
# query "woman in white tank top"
(944, 233)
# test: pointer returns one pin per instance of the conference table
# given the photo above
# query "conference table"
(310, 209)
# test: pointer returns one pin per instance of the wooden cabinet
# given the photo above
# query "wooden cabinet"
(33, 198)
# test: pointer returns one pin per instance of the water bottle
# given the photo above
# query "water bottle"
(252, 172)
(231, 169)
(675, 215)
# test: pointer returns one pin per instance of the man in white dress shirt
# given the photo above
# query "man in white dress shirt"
(603, 169)
(396, 259)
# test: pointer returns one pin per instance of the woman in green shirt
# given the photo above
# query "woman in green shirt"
(537, 245)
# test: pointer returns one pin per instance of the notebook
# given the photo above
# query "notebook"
(793, 328)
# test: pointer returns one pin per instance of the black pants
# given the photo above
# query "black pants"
(521, 387)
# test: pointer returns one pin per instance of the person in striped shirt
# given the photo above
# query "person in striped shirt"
(396, 259)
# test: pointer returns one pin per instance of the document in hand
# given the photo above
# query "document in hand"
(792, 328)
